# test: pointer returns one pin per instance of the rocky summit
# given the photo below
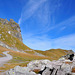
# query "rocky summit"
(10, 35)
(14, 28)
(45, 67)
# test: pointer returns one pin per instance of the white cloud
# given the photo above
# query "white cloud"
(68, 22)
(19, 22)
(44, 43)
(38, 42)
(66, 42)
(29, 9)
(62, 28)
(44, 14)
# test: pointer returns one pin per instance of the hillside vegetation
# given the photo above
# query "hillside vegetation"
(8, 36)
(54, 54)
(19, 58)
(22, 59)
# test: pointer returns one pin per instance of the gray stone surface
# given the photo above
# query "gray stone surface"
(46, 67)
(20, 71)
(38, 64)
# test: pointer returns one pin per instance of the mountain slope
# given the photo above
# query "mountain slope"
(10, 34)
(19, 58)
(22, 59)
(54, 54)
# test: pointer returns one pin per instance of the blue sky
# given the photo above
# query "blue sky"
(45, 24)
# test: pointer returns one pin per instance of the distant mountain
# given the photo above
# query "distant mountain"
(55, 54)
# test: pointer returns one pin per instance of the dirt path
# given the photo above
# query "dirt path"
(6, 58)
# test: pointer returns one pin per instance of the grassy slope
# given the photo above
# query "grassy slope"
(54, 54)
(19, 58)
(23, 58)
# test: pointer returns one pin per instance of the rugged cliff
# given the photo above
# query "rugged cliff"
(13, 28)
(10, 35)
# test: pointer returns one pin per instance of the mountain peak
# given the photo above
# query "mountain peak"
(13, 27)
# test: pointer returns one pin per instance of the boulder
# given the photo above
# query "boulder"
(38, 64)
(44, 67)
(20, 71)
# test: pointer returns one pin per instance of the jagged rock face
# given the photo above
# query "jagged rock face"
(14, 26)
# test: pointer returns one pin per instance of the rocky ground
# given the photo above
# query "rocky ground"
(46, 67)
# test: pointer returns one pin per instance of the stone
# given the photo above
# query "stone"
(38, 64)
(66, 68)
(45, 67)
(46, 72)
(20, 71)
(10, 72)
(9, 32)
(11, 20)
(4, 21)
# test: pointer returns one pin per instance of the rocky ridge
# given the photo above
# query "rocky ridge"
(14, 26)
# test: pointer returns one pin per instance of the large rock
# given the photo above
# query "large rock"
(4, 21)
(66, 68)
(44, 67)
(20, 71)
(38, 64)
